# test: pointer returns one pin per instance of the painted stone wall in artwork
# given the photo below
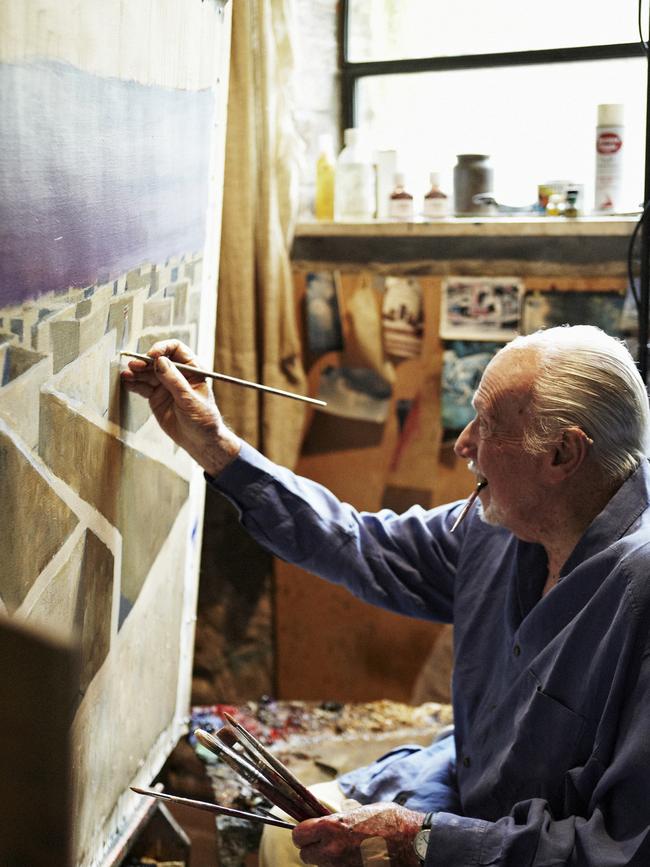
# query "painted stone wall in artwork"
(111, 157)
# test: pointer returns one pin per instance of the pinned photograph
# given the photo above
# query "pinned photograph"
(355, 392)
(402, 317)
(480, 308)
(544, 309)
(463, 364)
(324, 332)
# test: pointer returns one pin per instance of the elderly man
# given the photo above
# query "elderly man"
(546, 582)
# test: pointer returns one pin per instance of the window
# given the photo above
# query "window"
(518, 80)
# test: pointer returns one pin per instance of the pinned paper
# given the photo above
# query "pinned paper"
(402, 317)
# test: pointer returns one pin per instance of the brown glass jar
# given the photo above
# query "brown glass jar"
(473, 175)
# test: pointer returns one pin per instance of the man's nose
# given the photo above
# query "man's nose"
(465, 446)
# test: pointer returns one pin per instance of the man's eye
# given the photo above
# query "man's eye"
(483, 426)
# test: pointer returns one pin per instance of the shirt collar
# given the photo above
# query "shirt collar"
(620, 513)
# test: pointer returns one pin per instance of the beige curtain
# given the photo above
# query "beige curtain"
(257, 336)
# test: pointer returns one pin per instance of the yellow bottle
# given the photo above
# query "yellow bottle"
(324, 200)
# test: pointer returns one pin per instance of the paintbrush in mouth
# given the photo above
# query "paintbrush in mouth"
(468, 505)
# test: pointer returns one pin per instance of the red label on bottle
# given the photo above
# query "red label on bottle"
(608, 143)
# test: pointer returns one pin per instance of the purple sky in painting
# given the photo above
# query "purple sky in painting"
(98, 175)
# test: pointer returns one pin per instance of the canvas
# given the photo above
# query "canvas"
(111, 152)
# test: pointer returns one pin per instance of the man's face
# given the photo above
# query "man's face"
(492, 442)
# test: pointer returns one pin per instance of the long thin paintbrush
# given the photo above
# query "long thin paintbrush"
(249, 773)
(247, 738)
(468, 505)
(214, 808)
(211, 374)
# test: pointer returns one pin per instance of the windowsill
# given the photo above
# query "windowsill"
(473, 226)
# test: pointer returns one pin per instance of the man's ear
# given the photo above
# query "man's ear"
(568, 454)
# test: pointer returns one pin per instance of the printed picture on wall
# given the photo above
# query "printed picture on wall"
(463, 363)
(355, 392)
(544, 309)
(480, 308)
(402, 317)
(324, 332)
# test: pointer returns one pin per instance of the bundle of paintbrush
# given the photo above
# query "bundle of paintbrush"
(262, 770)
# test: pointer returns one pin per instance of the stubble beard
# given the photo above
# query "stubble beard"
(491, 515)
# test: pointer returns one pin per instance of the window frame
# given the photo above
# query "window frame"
(352, 71)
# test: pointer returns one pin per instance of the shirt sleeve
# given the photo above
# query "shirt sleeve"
(613, 829)
(405, 563)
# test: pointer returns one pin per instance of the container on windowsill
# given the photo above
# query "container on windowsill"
(400, 202)
(436, 203)
(473, 176)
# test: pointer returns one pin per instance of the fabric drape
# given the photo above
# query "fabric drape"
(257, 336)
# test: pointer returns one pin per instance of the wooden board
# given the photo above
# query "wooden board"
(38, 677)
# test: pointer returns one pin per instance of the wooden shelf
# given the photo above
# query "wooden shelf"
(474, 227)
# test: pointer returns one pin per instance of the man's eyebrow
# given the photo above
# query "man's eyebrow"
(477, 403)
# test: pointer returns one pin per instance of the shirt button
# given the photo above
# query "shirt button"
(516, 650)
(466, 762)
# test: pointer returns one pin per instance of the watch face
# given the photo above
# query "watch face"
(421, 843)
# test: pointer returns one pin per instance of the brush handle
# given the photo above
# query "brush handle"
(251, 775)
(214, 808)
(211, 374)
(228, 736)
(307, 796)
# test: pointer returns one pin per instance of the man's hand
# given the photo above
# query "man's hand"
(335, 841)
(184, 405)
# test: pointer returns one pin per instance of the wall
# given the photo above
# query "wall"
(317, 94)
(328, 644)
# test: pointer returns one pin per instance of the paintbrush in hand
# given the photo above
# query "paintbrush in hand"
(229, 737)
(251, 742)
(291, 806)
(214, 808)
(212, 374)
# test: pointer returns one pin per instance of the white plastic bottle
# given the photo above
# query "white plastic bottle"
(609, 158)
(354, 180)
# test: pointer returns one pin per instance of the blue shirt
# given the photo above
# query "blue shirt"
(551, 693)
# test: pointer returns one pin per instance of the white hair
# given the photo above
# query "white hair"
(587, 379)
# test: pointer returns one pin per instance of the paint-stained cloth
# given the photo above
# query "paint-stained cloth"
(551, 693)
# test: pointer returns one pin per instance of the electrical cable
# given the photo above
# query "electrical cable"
(640, 26)
(630, 256)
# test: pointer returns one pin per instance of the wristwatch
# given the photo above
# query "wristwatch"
(421, 841)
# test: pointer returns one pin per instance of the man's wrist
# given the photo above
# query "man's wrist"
(224, 451)
(421, 841)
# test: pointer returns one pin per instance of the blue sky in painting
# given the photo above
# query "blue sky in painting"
(98, 176)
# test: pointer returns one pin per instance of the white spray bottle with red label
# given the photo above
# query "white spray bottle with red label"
(609, 159)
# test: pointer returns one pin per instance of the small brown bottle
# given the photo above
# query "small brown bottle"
(400, 203)
(436, 203)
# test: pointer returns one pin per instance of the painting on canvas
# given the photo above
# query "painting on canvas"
(111, 148)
